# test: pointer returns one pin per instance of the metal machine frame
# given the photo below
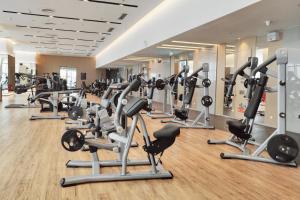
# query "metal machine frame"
(54, 99)
(196, 123)
(233, 140)
(282, 60)
(123, 142)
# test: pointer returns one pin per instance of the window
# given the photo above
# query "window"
(4, 73)
(69, 74)
(183, 63)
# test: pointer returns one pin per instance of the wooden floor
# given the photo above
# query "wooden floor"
(32, 162)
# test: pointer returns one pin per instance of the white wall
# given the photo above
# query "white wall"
(27, 59)
(159, 70)
(155, 26)
(6, 46)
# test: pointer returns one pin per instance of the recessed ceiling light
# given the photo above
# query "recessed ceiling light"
(50, 16)
(77, 31)
(176, 48)
(19, 13)
(121, 4)
(197, 43)
(27, 26)
(238, 38)
(180, 46)
(108, 22)
(53, 29)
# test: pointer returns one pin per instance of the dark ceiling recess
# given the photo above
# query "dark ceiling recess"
(59, 17)
(65, 38)
(40, 36)
(85, 40)
(110, 30)
(20, 26)
(88, 32)
(65, 44)
(123, 16)
(101, 21)
(103, 38)
(114, 3)
(66, 17)
(82, 45)
(37, 27)
(59, 29)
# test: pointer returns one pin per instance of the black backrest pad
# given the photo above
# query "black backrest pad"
(134, 106)
(255, 100)
(191, 89)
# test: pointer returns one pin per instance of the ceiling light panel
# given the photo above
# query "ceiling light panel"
(176, 48)
(180, 46)
(194, 43)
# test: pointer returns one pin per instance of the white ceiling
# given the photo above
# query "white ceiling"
(79, 36)
(247, 22)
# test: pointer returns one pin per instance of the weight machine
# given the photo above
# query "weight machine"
(182, 115)
(282, 148)
(54, 98)
(235, 141)
(165, 137)
(168, 86)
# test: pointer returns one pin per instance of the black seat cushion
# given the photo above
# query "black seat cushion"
(168, 131)
(134, 106)
(181, 114)
(239, 129)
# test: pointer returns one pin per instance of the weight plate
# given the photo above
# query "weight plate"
(206, 101)
(160, 84)
(75, 112)
(206, 82)
(283, 148)
(72, 140)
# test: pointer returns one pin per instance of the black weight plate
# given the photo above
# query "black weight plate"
(75, 112)
(160, 84)
(246, 83)
(72, 140)
(206, 82)
(206, 101)
(282, 148)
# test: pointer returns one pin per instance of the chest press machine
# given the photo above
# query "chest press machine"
(165, 137)
(182, 115)
(167, 85)
(234, 140)
(282, 148)
(54, 98)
